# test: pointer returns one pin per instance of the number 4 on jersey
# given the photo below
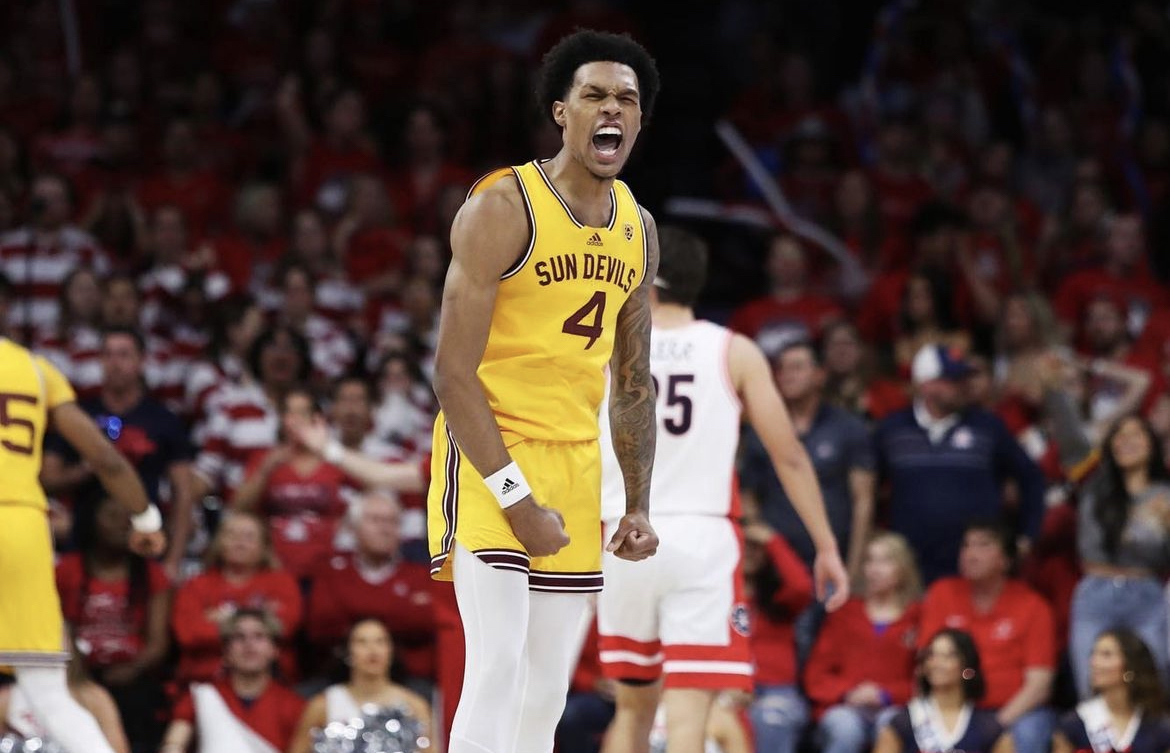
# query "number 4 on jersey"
(575, 324)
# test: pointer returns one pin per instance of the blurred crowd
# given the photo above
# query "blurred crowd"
(228, 218)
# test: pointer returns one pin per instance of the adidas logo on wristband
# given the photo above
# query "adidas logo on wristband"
(508, 485)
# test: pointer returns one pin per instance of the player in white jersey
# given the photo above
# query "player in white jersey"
(676, 626)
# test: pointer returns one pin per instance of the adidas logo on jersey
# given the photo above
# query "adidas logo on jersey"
(509, 486)
(594, 240)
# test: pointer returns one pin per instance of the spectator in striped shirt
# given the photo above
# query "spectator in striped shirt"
(172, 267)
(164, 368)
(331, 350)
(245, 419)
(235, 324)
(38, 257)
(335, 297)
(75, 346)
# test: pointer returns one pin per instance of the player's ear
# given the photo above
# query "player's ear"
(558, 113)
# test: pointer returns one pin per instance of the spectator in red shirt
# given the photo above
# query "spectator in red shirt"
(850, 379)
(376, 582)
(369, 240)
(1124, 275)
(789, 309)
(1012, 627)
(182, 182)
(900, 189)
(296, 491)
(116, 604)
(172, 267)
(369, 650)
(427, 169)
(1119, 378)
(326, 161)
(778, 588)
(242, 573)
(934, 236)
(249, 253)
(77, 143)
(863, 660)
(246, 709)
(854, 218)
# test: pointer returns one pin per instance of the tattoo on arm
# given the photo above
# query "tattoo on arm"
(632, 396)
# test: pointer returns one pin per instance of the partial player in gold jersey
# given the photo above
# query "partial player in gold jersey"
(548, 285)
(34, 397)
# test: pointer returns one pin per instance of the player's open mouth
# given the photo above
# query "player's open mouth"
(607, 141)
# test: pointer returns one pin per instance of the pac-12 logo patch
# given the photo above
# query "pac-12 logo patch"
(741, 620)
(628, 230)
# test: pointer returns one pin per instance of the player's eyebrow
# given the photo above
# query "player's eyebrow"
(591, 88)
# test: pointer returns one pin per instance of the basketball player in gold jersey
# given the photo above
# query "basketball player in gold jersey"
(34, 396)
(552, 264)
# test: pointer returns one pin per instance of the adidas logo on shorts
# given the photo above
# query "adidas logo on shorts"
(594, 240)
(509, 485)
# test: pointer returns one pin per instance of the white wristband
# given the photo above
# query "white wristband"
(148, 521)
(333, 452)
(509, 485)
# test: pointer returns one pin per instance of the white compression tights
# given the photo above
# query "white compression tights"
(69, 725)
(522, 647)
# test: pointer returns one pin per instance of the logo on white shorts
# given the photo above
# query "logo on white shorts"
(741, 620)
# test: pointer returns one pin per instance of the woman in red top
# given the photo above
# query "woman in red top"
(850, 379)
(298, 492)
(863, 660)
(116, 604)
(778, 588)
(242, 572)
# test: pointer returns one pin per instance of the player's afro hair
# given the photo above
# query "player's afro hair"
(585, 46)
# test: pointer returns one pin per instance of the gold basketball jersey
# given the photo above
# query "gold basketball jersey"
(556, 311)
(29, 388)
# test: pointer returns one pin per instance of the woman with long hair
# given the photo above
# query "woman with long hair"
(1123, 536)
(927, 316)
(369, 654)
(863, 660)
(117, 604)
(943, 715)
(1127, 710)
(235, 324)
(295, 490)
(241, 571)
(851, 380)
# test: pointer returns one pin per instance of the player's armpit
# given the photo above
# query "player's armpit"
(489, 234)
(632, 395)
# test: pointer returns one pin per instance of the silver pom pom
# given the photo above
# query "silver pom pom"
(13, 743)
(377, 730)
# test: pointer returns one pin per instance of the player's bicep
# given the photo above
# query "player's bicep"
(488, 236)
